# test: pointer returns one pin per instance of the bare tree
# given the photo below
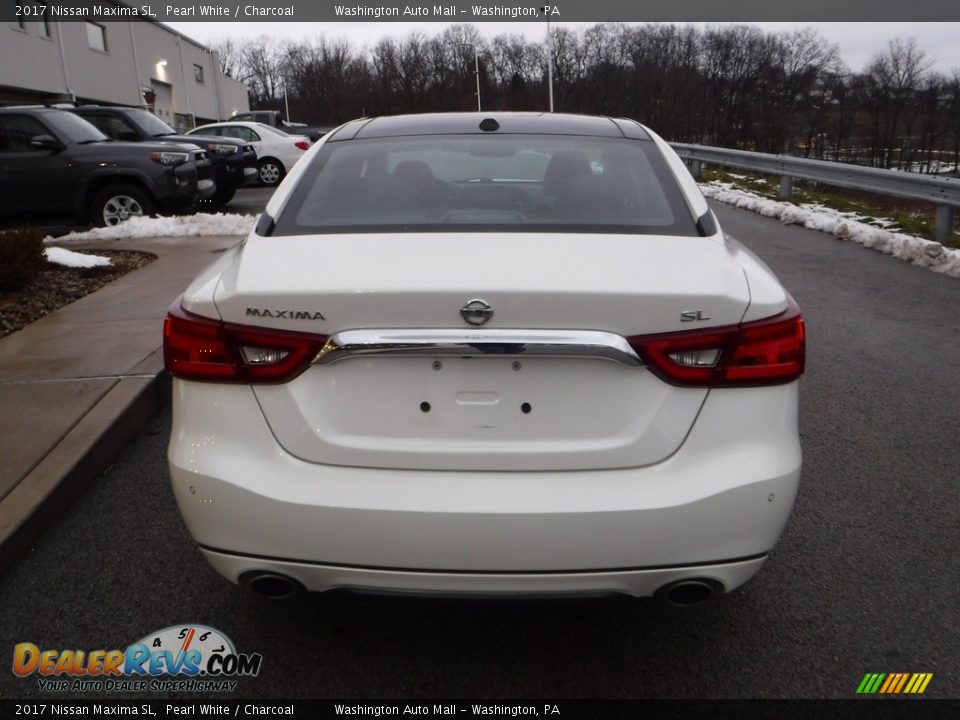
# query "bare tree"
(230, 58)
(952, 91)
(803, 62)
(893, 78)
(264, 61)
(569, 68)
(515, 68)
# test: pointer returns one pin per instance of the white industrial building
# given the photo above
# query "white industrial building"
(140, 63)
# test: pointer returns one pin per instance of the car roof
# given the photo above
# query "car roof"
(107, 107)
(251, 123)
(32, 108)
(534, 123)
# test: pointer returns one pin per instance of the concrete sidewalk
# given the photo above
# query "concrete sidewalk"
(76, 385)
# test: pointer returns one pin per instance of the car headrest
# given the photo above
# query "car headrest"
(414, 171)
(564, 167)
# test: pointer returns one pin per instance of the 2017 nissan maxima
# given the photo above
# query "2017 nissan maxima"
(504, 353)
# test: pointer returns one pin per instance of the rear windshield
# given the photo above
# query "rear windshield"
(487, 182)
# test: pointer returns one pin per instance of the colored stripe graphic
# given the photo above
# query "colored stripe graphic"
(894, 683)
(892, 680)
(918, 683)
(870, 683)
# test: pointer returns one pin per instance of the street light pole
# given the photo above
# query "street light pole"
(550, 63)
(476, 71)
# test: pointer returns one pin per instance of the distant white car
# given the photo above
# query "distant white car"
(506, 353)
(277, 151)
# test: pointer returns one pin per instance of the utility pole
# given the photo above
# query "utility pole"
(550, 63)
(476, 69)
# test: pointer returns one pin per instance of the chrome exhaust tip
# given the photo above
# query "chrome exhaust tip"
(272, 586)
(689, 592)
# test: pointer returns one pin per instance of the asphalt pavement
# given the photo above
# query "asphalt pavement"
(865, 578)
(250, 200)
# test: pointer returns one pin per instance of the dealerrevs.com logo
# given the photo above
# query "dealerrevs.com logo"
(180, 658)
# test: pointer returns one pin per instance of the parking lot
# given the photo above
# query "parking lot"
(864, 579)
(249, 200)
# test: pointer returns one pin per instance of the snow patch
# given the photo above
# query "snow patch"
(62, 256)
(201, 224)
(925, 253)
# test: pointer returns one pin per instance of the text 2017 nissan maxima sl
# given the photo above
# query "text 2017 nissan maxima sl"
(505, 353)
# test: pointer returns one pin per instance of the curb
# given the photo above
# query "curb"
(109, 344)
(41, 498)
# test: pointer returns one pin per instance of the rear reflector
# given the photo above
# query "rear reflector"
(198, 348)
(771, 351)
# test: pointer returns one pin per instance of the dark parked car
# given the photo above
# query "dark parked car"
(233, 163)
(57, 167)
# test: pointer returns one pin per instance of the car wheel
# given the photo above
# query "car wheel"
(117, 203)
(270, 171)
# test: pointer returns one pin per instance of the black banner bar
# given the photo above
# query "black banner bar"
(476, 11)
(865, 709)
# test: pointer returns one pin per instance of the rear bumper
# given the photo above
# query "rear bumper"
(637, 582)
(713, 509)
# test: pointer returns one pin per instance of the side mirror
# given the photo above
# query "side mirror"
(45, 142)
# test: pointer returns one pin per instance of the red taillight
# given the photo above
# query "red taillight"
(763, 352)
(303, 144)
(198, 348)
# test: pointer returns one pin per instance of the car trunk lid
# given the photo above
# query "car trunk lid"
(502, 410)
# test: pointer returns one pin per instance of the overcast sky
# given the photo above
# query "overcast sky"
(858, 41)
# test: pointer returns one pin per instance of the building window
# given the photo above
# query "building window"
(97, 37)
(198, 73)
(43, 22)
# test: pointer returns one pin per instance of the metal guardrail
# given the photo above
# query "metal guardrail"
(940, 191)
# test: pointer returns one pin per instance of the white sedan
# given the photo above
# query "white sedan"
(277, 152)
(498, 354)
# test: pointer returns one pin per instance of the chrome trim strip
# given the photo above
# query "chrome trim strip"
(481, 343)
